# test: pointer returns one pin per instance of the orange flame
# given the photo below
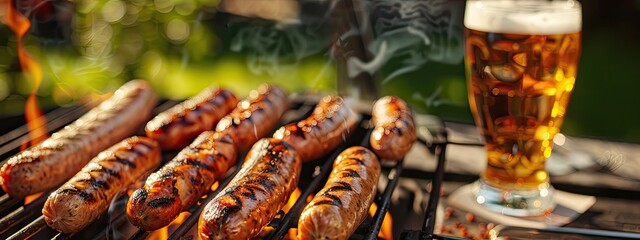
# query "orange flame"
(179, 220)
(32, 197)
(386, 230)
(215, 186)
(35, 120)
(163, 233)
(292, 234)
(292, 200)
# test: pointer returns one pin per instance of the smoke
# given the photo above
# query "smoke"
(50, 20)
(270, 49)
(434, 99)
(414, 32)
(360, 36)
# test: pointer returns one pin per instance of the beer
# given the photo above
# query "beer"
(521, 66)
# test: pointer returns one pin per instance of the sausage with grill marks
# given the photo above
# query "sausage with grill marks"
(255, 195)
(394, 130)
(179, 125)
(88, 194)
(330, 124)
(256, 116)
(52, 162)
(343, 203)
(181, 182)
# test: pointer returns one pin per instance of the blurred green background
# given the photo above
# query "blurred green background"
(183, 46)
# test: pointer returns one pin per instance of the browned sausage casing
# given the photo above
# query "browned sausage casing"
(394, 131)
(330, 124)
(58, 158)
(256, 116)
(337, 210)
(177, 126)
(181, 182)
(255, 195)
(88, 194)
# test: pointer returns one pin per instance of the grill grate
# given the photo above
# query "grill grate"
(23, 221)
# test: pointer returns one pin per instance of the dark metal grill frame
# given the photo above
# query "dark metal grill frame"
(436, 141)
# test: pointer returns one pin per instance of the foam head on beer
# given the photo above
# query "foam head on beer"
(524, 17)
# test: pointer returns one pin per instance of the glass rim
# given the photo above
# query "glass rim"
(524, 17)
(559, 6)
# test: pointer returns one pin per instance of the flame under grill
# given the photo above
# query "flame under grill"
(23, 219)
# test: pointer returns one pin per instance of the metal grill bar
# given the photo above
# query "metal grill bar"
(58, 113)
(21, 214)
(118, 221)
(383, 206)
(57, 119)
(140, 234)
(30, 230)
(61, 236)
(440, 142)
(7, 203)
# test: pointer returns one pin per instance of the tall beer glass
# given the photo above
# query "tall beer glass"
(521, 59)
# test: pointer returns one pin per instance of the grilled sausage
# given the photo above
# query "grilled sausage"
(394, 132)
(255, 116)
(255, 195)
(328, 126)
(181, 182)
(337, 210)
(52, 162)
(179, 125)
(88, 194)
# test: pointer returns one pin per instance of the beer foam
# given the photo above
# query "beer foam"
(524, 17)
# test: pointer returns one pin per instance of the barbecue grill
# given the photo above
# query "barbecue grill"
(23, 219)
(356, 31)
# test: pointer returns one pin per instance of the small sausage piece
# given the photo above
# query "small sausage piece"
(330, 124)
(256, 116)
(337, 210)
(394, 131)
(88, 194)
(179, 125)
(180, 183)
(255, 195)
(54, 161)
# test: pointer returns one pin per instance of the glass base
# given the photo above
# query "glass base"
(521, 203)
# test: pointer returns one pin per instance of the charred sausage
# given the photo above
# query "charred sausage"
(181, 182)
(256, 116)
(52, 162)
(255, 195)
(88, 194)
(328, 126)
(394, 130)
(179, 125)
(337, 210)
